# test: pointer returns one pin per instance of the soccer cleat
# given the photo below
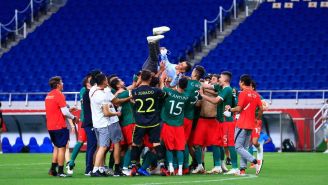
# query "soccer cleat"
(88, 174)
(143, 172)
(96, 174)
(52, 173)
(109, 171)
(126, 172)
(155, 170)
(180, 173)
(224, 167)
(118, 173)
(259, 166)
(134, 171)
(186, 171)
(69, 170)
(153, 39)
(164, 172)
(199, 169)
(215, 170)
(62, 175)
(232, 171)
(242, 172)
(160, 30)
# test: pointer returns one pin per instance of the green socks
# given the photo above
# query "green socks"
(186, 157)
(127, 159)
(198, 155)
(75, 152)
(233, 156)
(216, 155)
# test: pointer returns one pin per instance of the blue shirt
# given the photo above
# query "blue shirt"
(170, 70)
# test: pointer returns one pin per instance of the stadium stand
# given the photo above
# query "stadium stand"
(23, 7)
(109, 35)
(281, 48)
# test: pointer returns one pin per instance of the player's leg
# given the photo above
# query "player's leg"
(103, 139)
(180, 158)
(187, 124)
(231, 147)
(80, 141)
(151, 62)
(60, 141)
(91, 149)
(54, 162)
(199, 140)
(136, 149)
(159, 149)
(241, 144)
(116, 136)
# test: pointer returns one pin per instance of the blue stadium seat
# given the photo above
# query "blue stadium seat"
(6, 146)
(46, 146)
(18, 146)
(33, 145)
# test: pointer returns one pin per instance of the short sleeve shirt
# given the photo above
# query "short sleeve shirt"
(127, 110)
(248, 100)
(55, 100)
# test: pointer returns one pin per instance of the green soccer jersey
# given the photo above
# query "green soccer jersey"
(173, 107)
(127, 117)
(193, 92)
(227, 99)
(82, 91)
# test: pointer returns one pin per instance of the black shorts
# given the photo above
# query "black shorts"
(139, 132)
(59, 137)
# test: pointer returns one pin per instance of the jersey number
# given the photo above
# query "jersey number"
(196, 97)
(150, 108)
(177, 106)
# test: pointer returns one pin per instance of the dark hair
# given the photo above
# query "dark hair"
(145, 75)
(100, 78)
(154, 81)
(200, 71)
(188, 68)
(110, 77)
(85, 80)
(113, 83)
(54, 81)
(183, 83)
(253, 84)
(228, 74)
(246, 79)
(93, 75)
(215, 75)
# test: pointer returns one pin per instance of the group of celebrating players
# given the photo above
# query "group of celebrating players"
(154, 125)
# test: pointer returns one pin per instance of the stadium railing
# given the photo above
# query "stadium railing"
(29, 9)
(268, 94)
(319, 121)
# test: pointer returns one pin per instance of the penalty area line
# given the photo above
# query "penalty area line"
(202, 181)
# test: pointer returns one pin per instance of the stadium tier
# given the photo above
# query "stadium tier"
(282, 48)
(108, 35)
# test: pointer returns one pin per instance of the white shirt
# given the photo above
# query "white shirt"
(98, 98)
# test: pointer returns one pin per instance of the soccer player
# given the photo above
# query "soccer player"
(248, 101)
(172, 115)
(193, 91)
(225, 98)
(147, 115)
(173, 71)
(82, 138)
(127, 121)
(206, 134)
(105, 122)
(258, 128)
(56, 111)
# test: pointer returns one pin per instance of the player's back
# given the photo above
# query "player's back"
(147, 105)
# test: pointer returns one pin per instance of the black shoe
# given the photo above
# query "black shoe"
(52, 172)
(228, 161)
(96, 174)
(118, 173)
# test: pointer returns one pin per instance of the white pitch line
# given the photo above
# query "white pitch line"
(201, 181)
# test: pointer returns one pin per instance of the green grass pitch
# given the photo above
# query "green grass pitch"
(278, 169)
